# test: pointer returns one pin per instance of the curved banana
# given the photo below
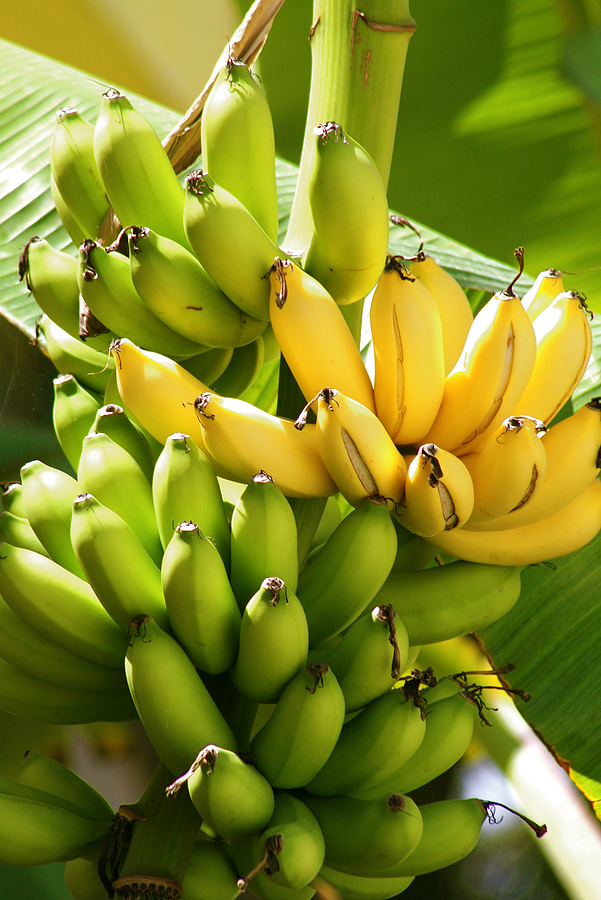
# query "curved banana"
(12, 499)
(408, 354)
(47, 774)
(69, 223)
(112, 421)
(210, 872)
(51, 276)
(243, 370)
(349, 212)
(413, 552)
(295, 842)
(314, 337)
(439, 493)
(360, 887)
(73, 413)
(48, 494)
(542, 293)
(17, 531)
(301, 733)
(210, 365)
(238, 143)
(71, 356)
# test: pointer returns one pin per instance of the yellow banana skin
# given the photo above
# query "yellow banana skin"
(542, 293)
(408, 354)
(360, 887)
(314, 337)
(439, 493)
(73, 412)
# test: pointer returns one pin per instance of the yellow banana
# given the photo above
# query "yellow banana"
(408, 354)
(542, 293)
(439, 494)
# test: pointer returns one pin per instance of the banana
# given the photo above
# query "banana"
(112, 421)
(366, 837)
(200, 603)
(82, 880)
(264, 538)
(37, 827)
(369, 658)
(413, 552)
(231, 796)
(315, 339)
(210, 873)
(238, 143)
(138, 176)
(185, 489)
(294, 841)
(75, 172)
(17, 532)
(564, 344)
(358, 452)
(274, 642)
(373, 744)
(113, 476)
(298, 738)
(409, 377)
(108, 552)
(60, 606)
(73, 414)
(243, 440)
(349, 213)
(51, 276)
(68, 221)
(210, 365)
(558, 534)
(242, 371)
(358, 887)
(175, 287)
(455, 312)
(542, 293)
(439, 493)
(71, 356)
(348, 571)
(229, 242)
(176, 709)
(48, 494)
(47, 774)
(12, 499)
(447, 601)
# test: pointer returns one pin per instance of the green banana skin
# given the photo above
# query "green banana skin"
(232, 797)
(48, 494)
(230, 244)
(366, 837)
(113, 476)
(451, 831)
(413, 552)
(73, 413)
(274, 641)
(45, 773)
(69, 223)
(201, 605)
(82, 881)
(108, 551)
(60, 606)
(301, 848)
(208, 366)
(238, 143)
(51, 276)
(175, 287)
(263, 539)
(210, 873)
(112, 420)
(248, 856)
(185, 489)
(359, 887)
(347, 573)
(243, 370)
(70, 356)
(176, 710)
(459, 598)
(18, 532)
(75, 172)
(12, 499)
(303, 729)
(380, 739)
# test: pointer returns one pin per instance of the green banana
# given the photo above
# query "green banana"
(112, 420)
(82, 880)
(200, 602)
(250, 859)
(242, 371)
(175, 287)
(452, 600)
(51, 276)
(208, 366)
(69, 223)
(274, 641)
(12, 499)
(17, 532)
(374, 743)
(176, 710)
(47, 774)
(113, 476)
(138, 176)
(59, 605)
(263, 539)
(71, 356)
(298, 738)
(347, 573)
(349, 211)
(232, 797)
(413, 552)
(49, 494)
(73, 413)
(230, 244)
(210, 873)
(295, 842)
(185, 489)
(360, 887)
(108, 552)
(330, 520)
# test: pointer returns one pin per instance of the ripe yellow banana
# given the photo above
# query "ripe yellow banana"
(542, 293)
(439, 494)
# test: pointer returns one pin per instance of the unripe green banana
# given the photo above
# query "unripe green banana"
(200, 602)
(113, 476)
(361, 887)
(243, 370)
(82, 880)
(49, 494)
(138, 176)
(210, 873)
(12, 499)
(413, 552)
(109, 552)
(208, 366)
(349, 210)
(59, 605)
(366, 837)
(250, 859)
(230, 244)
(185, 489)
(264, 538)
(112, 420)
(448, 601)
(51, 276)
(47, 774)
(238, 144)
(232, 797)
(380, 739)
(70, 224)
(17, 532)
(274, 641)
(302, 731)
(71, 356)
(73, 414)
(176, 709)
(295, 842)
(346, 574)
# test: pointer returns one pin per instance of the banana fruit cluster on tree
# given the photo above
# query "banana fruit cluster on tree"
(269, 657)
